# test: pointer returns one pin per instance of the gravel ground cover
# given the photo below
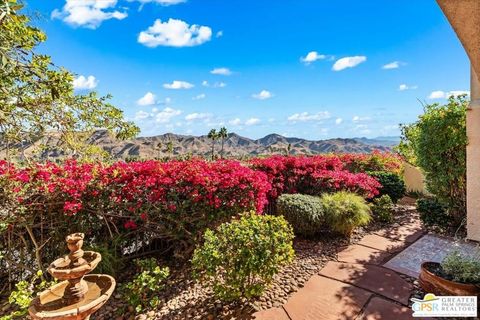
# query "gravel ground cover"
(184, 298)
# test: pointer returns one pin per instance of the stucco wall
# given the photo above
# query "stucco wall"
(414, 178)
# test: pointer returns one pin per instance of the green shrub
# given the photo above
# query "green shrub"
(111, 260)
(392, 184)
(303, 212)
(141, 292)
(24, 293)
(382, 208)
(241, 257)
(461, 268)
(437, 144)
(433, 213)
(345, 211)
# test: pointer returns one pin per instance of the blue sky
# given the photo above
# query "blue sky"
(308, 68)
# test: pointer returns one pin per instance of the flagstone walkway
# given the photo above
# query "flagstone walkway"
(358, 285)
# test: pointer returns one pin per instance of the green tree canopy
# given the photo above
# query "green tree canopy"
(37, 97)
(437, 142)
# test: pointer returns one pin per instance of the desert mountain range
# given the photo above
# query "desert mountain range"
(234, 145)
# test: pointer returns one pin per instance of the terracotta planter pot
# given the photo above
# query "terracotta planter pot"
(431, 283)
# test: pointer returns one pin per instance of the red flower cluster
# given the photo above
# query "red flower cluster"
(376, 161)
(174, 185)
(313, 175)
(132, 187)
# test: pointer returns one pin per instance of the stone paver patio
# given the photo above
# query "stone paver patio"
(361, 285)
(429, 248)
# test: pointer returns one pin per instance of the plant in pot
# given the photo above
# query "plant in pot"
(456, 275)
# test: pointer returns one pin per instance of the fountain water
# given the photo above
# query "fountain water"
(79, 294)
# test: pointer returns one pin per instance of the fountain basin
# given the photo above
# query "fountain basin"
(60, 269)
(50, 304)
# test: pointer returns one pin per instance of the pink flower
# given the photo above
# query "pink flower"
(130, 225)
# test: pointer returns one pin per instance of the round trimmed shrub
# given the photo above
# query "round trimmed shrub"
(392, 184)
(241, 257)
(433, 213)
(303, 212)
(345, 211)
(382, 208)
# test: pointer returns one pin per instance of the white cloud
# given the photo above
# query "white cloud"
(174, 33)
(197, 116)
(252, 121)
(324, 131)
(445, 95)
(393, 65)
(219, 34)
(457, 93)
(140, 115)
(338, 121)
(235, 122)
(437, 95)
(348, 62)
(166, 115)
(219, 85)
(404, 87)
(359, 119)
(163, 2)
(147, 100)
(177, 85)
(312, 56)
(85, 83)
(305, 116)
(391, 127)
(221, 71)
(88, 13)
(263, 95)
(205, 83)
(200, 96)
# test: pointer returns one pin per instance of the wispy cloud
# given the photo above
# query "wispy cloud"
(177, 85)
(305, 116)
(393, 65)
(360, 119)
(404, 87)
(338, 121)
(348, 62)
(197, 116)
(445, 95)
(162, 2)
(174, 33)
(235, 122)
(252, 121)
(207, 84)
(200, 96)
(221, 71)
(88, 13)
(312, 56)
(166, 115)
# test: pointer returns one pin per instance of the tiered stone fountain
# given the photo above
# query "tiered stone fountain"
(79, 294)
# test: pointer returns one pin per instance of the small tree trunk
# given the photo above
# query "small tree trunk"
(223, 141)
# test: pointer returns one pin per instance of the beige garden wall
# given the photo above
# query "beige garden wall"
(414, 179)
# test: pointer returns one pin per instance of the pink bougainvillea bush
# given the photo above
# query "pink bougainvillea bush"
(313, 175)
(132, 205)
(129, 203)
(375, 161)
